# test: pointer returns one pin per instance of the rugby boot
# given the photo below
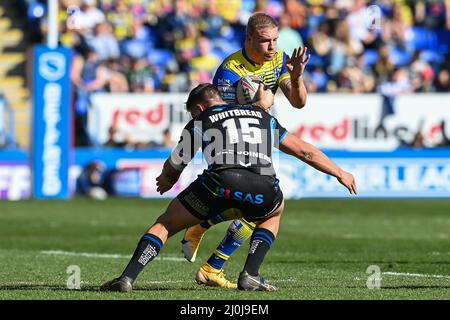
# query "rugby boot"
(121, 284)
(253, 283)
(211, 277)
(191, 241)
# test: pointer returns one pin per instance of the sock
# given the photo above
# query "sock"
(147, 249)
(262, 240)
(238, 232)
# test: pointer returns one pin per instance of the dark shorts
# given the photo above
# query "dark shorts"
(212, 193)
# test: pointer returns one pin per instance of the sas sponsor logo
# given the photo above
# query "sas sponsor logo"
(239, 196)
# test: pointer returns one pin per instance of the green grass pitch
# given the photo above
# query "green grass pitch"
(322, 252)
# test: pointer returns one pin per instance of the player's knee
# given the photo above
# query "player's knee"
(170, 225)
(279, 210)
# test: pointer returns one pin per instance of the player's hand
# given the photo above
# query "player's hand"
(264, 97)
(296, 64)
(347, 180)
(163, 184)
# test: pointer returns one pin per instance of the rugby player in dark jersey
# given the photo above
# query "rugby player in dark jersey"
(276, 69)
(236, 141)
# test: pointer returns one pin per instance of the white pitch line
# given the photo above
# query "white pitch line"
(418, 275)
(439, 253)
(102, 255)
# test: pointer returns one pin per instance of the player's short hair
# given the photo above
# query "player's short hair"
(260, 20)
(202, 93)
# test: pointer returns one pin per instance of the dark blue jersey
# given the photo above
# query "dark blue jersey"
(231, 136)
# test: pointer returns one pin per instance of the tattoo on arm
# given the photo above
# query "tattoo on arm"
(288, 85)
(307, 155)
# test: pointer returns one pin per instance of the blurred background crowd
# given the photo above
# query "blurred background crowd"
(172, 45)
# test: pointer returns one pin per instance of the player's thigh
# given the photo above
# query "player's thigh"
(176, 218)
(202, 202)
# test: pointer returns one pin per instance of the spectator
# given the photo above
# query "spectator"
(174, 80)
(418, 140)
(351, 79)
(87, 18)
(121, 19)
(138, 45)
(442, 82)
(116, 79)
(211, 24)
(171, 27)
(203, 66)
(297, 12)
(397, 83)
(168, 142)
(105, 43)
(141, 76)
(368, 78)
(432, 14)
(185, 48)
(91, 14)
(88, 76)
(397, 27)
(383, 67)
(87, 72)
(322, 42)
(288, 38)
(91, 181)
(343, 48)
(421, 73)
(445, 142)
(357, 25)
(117, 139)
(230, 10)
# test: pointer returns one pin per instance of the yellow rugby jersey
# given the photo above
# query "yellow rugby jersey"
(237, 65)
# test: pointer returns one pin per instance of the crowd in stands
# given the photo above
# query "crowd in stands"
(172, 45)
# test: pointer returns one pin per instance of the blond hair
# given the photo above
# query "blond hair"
(259, 20)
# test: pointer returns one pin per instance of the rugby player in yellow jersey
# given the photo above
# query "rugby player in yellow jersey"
(275, 68)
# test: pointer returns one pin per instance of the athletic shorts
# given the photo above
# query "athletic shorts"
(212, 193)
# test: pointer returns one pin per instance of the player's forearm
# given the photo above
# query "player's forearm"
(297, 93)
(317, 159)
(311, 155)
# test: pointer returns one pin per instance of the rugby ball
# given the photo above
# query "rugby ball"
(246, 89)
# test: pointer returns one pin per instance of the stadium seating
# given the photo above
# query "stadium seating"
(443, 39)
(160, 57)
(431, 56)
(423, 39)
(400, 57)
(370, 57)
